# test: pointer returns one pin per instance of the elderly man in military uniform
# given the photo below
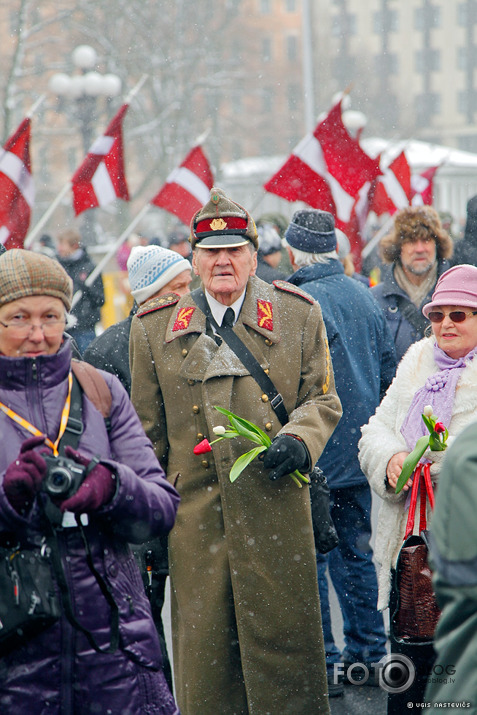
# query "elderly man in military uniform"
(246, 622)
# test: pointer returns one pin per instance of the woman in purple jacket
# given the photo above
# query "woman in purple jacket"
(125, 498)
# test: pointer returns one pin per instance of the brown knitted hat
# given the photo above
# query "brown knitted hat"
(24, 273)
(222, 223)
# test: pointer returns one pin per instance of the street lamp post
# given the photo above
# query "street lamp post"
(84, 89)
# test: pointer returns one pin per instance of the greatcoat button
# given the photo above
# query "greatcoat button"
(268, 341)
(190, 382)
(205, 463)
(268, 426)
(266, 371)
(200, 436)
(184, 352)
(196, 409)
(264, 398)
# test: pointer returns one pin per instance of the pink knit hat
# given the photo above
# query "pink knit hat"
(457, 286)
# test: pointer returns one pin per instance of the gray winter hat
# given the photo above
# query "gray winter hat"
(312, 231)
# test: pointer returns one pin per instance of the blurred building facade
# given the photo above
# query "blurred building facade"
(238, 68)
(416, 61)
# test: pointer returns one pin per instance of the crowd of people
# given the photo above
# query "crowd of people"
(271, 322)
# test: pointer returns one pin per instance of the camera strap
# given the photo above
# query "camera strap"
(57, 564)
(34, 430)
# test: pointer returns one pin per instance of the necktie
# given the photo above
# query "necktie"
(229, 318)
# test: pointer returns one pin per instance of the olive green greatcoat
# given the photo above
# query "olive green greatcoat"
(246, 621)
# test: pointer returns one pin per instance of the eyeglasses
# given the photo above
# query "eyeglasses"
(22, 327)
(457, 316)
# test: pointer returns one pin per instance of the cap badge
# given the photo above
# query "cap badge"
(183, 319)
(264, 314)
(218, 224)
(215, 198)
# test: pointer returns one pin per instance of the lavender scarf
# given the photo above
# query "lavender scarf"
(438, 391)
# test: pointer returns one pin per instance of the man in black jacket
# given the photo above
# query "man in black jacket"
(86, 312)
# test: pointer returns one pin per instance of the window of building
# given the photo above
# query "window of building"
(427, 17)
(467, 102)
(386, 21)
(290, 5)
(344, 24)
(428, 60)
(293, 96)
(268, 98)
(266, 49)
(292, 48)
(386, 64)
(467, 13)
(461, 58)
(265, 7)
(428, 104)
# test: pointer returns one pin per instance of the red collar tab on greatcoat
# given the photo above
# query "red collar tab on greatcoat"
(183, 318)
(264, 314)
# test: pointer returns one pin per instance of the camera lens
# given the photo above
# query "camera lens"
(58, 481)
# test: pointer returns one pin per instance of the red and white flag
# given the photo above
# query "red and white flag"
(17, 191)
(187, 187)
(392, 190)
(326, 169)
(101, 178)
(422, 186)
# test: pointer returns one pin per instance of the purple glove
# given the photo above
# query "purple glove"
(24, 476)
(97, 489)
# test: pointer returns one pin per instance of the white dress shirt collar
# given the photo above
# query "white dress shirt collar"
(218, 309)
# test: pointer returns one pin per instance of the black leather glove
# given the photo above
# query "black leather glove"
(285, 454)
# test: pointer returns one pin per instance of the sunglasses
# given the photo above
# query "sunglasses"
(457, 316)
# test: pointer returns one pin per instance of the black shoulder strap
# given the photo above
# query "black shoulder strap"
(412, 314)
(52, 542)
(245, 356)
(74, 426)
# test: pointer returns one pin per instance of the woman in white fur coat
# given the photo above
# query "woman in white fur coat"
(439, 371)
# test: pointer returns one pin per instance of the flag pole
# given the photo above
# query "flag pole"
(99, 267)
(37, 228)
(33, 109)
(377, 237)
(135, 89)
(257, 202)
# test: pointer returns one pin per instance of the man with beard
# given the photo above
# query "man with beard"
(417, 252)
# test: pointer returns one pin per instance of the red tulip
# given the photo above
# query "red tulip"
(202, 447)
(439, 428)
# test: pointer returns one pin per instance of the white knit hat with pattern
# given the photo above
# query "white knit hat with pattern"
(150, 268)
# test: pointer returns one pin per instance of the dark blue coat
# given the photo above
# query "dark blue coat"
(386, 293)
(363, 357)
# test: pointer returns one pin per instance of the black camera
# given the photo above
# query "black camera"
(63, 478)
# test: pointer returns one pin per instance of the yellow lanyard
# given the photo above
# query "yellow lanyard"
(28, 426)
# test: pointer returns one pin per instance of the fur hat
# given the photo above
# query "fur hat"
(24, 273)
(222, 223)
(312, 231)
(150, 268)
(410, 224)
(457, 286)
